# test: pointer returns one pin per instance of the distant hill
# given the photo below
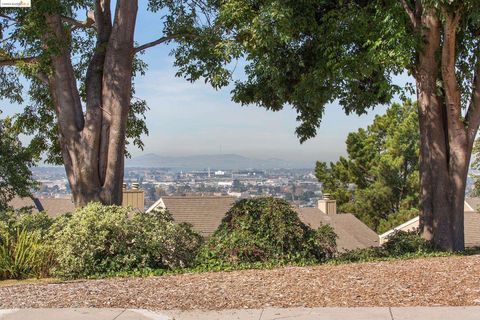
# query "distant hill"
(217, 161)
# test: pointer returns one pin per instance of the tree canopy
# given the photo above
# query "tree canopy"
(79, 98)
(16, 161)
(306, 54)
(379, 180)
(26, 53)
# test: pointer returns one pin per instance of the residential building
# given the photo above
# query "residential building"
(206, 213)
(471, 224)
(53, 206)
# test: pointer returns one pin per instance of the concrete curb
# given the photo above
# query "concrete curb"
(375, 313)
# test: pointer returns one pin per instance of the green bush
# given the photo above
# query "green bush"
(11, 221)
(24, 247)
(401, 243)
(23, 255)
(265, 229)
(362, 255)
(101, 239)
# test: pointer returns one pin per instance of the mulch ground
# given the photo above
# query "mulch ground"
(451, 281)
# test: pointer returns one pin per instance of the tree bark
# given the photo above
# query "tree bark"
(446, 138)
(93, 142)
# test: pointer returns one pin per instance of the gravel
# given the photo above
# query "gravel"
(447, 281)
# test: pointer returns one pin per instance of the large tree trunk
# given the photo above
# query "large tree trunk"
(446, 137)
(93, 142)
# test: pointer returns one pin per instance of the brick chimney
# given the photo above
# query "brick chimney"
(327, 205)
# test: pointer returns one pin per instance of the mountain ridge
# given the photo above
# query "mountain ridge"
(229, 161)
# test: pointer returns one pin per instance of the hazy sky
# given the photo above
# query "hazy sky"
(192, 119)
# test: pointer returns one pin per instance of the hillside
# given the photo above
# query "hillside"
(218, 161)
(448, 281)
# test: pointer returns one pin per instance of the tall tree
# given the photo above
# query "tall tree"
(306, 54)
(80, 104)
(15, 165)
(378, 181)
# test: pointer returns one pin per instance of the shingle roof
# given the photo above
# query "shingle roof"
(18, 203)
(203, 213)
(351, 232)
(53, 206)
(472, 229)
(473, 203)
(206, 213)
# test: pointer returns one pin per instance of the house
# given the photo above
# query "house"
(472, 204)
(53, 206)
(206, 213)
(471, 224)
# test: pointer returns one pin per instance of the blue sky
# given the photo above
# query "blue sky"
(192, 119)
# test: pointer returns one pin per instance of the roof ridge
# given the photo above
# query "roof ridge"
(199, 197)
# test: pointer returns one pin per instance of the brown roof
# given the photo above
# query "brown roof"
(203, 213)
(472, 229)
(53, 206)
(352, 233)
(474, 203)
(18, 203)
(206, 213)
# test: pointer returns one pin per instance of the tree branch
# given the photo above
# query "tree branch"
(14, 61)
(154, 43)
(411, 14)
(88, 23)
(472, 117)
(452, 92)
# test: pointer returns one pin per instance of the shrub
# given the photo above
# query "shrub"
(24, 247)
(101, 239)
(323, 242)
(362, 255)
(11, 221)
(265, 229)
(23, 255)
(401, 243)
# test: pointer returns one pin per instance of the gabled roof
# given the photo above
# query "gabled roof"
(352, 233)
(206, 213)
(413, 221)
(53, 206)
(203, 213)
(471, 224)
(472, 204)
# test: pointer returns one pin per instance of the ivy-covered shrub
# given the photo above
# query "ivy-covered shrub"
(401, 243)
(24, 248)
(362, 255)
(100, 239)
(266, 229)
